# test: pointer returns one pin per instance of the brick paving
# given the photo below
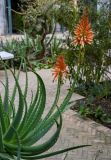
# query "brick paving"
(75, 131)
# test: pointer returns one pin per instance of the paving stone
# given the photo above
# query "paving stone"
(75, 131)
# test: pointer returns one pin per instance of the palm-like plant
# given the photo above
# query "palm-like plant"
(21, 127)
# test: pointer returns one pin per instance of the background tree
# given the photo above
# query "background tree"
(42, 15)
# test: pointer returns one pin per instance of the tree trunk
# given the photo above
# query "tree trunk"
(3, 23)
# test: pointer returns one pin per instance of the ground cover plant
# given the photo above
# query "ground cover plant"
(22, 124)
(97, 104)
(24, 48)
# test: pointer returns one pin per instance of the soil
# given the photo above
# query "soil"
(105, 105)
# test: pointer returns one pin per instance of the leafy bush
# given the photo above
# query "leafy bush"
(41, 17)
(95, 63)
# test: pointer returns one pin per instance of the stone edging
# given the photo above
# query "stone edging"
(91, 127)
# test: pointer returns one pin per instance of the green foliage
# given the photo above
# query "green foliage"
(99, 114)
(18, 23)
(22, 124)
(55, 46)
(92, 69)
(38, 17)
(41, 17)
(98, 91)
(95, 112)
(28, 48)
(48, 62)
(68, 9)
(94, 107)
(25, 48)
(84, 111)
(97, 102)
(41, 13)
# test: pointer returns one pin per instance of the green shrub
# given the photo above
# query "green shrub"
(25, 48)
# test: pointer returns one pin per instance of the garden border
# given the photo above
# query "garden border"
(91, 127)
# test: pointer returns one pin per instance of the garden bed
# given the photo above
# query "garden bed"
(105, 104)
(97, 106)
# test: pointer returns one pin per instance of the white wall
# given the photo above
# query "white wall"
(3, 24)
(104, 2)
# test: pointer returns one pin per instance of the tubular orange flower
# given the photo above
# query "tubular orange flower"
(83, 32)
(60, 68)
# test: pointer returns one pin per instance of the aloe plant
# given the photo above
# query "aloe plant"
(23, 125)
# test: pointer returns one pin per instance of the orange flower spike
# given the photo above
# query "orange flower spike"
(83, 32)
(60, 68)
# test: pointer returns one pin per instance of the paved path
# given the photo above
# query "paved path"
(75, 130)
